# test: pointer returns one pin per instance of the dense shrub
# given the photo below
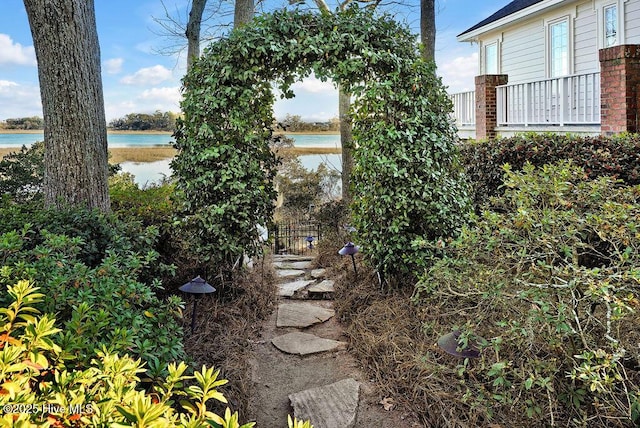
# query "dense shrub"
(22, 173)
(152, 205)
(407, 180)
(547, 288)
(97, 306)
(617, 156)
(98, 232)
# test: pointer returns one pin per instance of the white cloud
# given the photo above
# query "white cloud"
(6, 85)
(166, 95)
(19, 100)
(113, 65)
(458, 73)
(148, 76)
(164, 99)
(321, 116)
(116, 110)
(15, 53)
(313, 85)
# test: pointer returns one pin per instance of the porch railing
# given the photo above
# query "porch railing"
(570, 100)
(464, 105)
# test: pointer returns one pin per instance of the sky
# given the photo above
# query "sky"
(141, 71)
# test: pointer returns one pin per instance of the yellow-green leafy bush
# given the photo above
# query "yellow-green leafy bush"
(40, 387)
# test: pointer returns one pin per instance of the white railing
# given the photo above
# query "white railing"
(464, 108)
(570, 100)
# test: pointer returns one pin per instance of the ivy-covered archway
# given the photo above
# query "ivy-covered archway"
(225, 168)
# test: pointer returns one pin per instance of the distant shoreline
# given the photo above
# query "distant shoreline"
(40, 131)
(154, 154)
(109, 131)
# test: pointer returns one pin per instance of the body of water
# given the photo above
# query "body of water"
(148, 172)
(150, 140)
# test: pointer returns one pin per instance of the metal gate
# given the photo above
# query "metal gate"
(295, 237)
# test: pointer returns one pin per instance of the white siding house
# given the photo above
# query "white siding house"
(548, 53)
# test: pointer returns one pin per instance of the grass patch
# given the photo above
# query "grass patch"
(153, 154)
(141, 154)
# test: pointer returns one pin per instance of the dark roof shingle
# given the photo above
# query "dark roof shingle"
(512, 7)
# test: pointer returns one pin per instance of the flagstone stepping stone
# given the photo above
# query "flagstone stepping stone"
(291, 258)
(305, 343)
(289, 289)
(285, 273)
(330, 406)
(318, 273)
(293, 265)
(302, 314)
(324, 290)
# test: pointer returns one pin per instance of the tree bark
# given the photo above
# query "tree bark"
(193, 31)
(346, 141)
(75, 131)
(428, 29)
(243, 12)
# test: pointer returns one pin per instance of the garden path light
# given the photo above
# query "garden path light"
(350, 249)
(197, 287)
(449, 343)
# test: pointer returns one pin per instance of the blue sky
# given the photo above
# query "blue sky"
(136, 78)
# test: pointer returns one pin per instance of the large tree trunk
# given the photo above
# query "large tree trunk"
(243, 12)
(193, 31)
(75, 131)
(428, 29)
(346, 141)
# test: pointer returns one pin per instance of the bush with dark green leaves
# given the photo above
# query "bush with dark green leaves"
(617, 156)
(152, 205)
(303, 190)
(22, 172)
(101, 305)
(408, 182)
(99, 232)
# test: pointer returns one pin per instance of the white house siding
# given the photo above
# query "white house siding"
(523, 52)
(585, 41)
(632, 22)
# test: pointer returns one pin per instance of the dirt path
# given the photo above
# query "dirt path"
(277, 374)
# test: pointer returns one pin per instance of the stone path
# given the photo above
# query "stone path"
(316, 381)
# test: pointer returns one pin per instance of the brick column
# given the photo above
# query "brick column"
(619, 89)
(487, 104)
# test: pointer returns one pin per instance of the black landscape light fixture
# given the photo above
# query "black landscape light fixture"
(350, 249)
(309, 240)
(449, 343)
(197, 287)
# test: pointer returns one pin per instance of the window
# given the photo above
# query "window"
(611, 22)
(491, 59)
(559, 48)
(610, 25)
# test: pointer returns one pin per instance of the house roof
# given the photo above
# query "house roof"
(511, 8)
